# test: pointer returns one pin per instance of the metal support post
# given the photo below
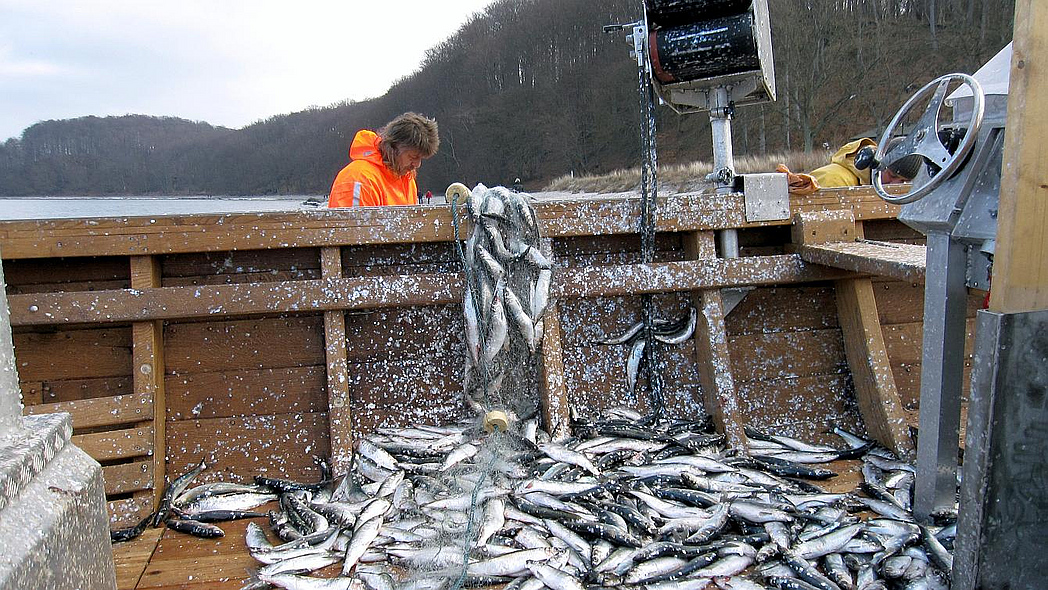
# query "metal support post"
(945, 305)
(721, 112)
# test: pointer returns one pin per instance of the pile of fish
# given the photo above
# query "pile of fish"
(658, 506)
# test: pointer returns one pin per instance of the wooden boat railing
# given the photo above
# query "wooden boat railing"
(261, 339)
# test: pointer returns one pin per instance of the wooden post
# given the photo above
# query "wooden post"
(556, 408)
(711, 349)
(340, 418)
(875, 389)
(147, 365)
(1020, 266)
(555, 404)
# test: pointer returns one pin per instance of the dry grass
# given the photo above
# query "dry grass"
(685, 177)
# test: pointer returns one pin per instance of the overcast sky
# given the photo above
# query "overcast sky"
(227, 62)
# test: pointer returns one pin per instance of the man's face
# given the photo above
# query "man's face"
(889, 177)
(408, 160)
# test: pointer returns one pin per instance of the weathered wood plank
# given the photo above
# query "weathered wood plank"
(712, 353)
(74, 354)
(67, 390)
(224, 394)
(555, 404)
(595, 377)
(340, 419)
(238, 448)
(787, 308)
(117, 444)
(132, 557)
(804, 407)
(606, 214)
(240, 266)
(232, 345)
(147, 363)
(787, 354)
(127, 512)
(1020, 268)
(102, 411)
(128, 477)
(875, 390)
(378, 292)
(690, 275)
(424, 389)
(32, 392)
(898, 261)
(65, 274)
(185, 562)
(588, 320)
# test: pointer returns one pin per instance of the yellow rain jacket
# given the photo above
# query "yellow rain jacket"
(366, 181)
(841, 170)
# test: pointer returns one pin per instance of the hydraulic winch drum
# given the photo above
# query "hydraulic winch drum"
(669, 12)
(706, 49)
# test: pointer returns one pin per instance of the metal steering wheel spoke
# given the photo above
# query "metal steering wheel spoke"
(923, 139)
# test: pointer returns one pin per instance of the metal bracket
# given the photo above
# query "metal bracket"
(767, 196)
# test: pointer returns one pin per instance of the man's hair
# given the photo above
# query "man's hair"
(408, 131)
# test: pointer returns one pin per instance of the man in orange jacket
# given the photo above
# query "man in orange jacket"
(383, 165)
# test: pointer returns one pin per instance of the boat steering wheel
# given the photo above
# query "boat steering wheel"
(924, 140)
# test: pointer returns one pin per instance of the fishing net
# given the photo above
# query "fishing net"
(507, 277)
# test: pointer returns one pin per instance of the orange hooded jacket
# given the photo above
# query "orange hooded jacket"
(366, 181)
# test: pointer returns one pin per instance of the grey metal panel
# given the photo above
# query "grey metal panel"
(942, 368)
(1002, 530)
(767, 196)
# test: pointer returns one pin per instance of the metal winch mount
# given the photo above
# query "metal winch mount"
(713, 56)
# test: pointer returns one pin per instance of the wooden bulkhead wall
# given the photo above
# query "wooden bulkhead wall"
(260, 342)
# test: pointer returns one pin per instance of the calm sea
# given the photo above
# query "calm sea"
(22, 208)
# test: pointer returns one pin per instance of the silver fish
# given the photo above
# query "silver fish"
(554, 578)
(362, 538)
(525, 326)
(633, 364)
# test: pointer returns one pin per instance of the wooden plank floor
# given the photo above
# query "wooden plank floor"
(167, 560)
(162, 559)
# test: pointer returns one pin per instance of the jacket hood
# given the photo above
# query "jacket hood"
(365, 147)
(845, 156)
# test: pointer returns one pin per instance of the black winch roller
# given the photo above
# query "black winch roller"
(666, 13)
(706, 49)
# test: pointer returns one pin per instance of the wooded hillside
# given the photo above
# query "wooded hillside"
(533, 89)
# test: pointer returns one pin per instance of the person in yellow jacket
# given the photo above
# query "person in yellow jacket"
(383, 165)
(841, 170)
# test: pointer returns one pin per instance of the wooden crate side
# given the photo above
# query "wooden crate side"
(787, 308)
(125, 512)
(587, 320)
(73, 353)
(238, 448)
(195, 396)
(426, 389)
(787, 354)
(803, 407)
(264, 342)
(242, 265)
(67, 274)
(596, 380)
(103, 411)
(77, 389)
(128, 477)
(404, 332)
(117, 444)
